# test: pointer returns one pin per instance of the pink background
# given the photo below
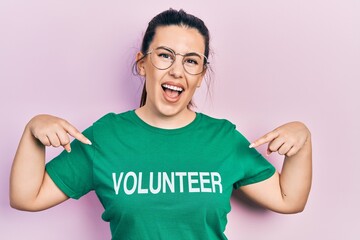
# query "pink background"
(273, 61)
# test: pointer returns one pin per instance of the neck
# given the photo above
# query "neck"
(166, 121)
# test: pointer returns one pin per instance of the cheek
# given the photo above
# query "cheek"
(197, 82)
(192, 88)
(152, 81)
(150, 85)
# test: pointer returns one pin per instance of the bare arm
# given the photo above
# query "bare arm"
(288, 192)
(31, 188)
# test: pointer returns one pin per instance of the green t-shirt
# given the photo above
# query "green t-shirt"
(158, 183)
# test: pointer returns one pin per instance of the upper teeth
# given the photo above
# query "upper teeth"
(174, 88)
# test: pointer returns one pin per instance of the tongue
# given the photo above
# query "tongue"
(171, 94)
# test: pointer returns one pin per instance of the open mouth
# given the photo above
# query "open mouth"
(172, 91)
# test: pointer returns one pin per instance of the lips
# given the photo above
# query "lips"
(172, 92)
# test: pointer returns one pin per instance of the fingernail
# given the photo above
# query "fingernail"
(68, 150)
(89, 142)
(251, 145)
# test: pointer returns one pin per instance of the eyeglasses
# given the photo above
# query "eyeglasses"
(163, 58)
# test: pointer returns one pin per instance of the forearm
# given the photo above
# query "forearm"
(296, 176)
(27, 172)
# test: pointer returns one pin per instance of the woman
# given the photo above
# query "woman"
(162, 170)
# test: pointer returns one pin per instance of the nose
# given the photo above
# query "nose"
(177, 68)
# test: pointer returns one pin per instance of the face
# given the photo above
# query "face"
(169, 91)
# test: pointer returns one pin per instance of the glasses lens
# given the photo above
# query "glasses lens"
(193, 63)
(162, 58)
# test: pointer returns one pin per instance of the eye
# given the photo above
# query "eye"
(165, 55)
(191, 61)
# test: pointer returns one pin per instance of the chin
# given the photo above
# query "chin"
(171, 111)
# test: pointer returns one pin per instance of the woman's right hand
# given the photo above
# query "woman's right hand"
(31, 188)
(54, 131)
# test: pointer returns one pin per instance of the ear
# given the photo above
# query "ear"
(140, 64)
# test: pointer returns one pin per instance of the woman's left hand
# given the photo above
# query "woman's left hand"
(286, 192)
(287, 139)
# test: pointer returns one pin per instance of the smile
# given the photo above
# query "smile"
(172, 88)
(171, 92)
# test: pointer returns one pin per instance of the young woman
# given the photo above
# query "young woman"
(162, 171)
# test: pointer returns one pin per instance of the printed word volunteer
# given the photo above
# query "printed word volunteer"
(172, 182)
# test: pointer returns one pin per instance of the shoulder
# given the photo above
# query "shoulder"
(111, 122)
(217, 123)
(113, 117)
(224, 128)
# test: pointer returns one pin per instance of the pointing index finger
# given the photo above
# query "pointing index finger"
(77, 134)
(264, 139)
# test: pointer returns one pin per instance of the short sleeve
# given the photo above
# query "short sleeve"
(73, 172)
(254, 167)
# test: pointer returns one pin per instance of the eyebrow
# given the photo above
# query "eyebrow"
(182, 54)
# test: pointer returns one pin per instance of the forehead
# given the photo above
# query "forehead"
(179, 38)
